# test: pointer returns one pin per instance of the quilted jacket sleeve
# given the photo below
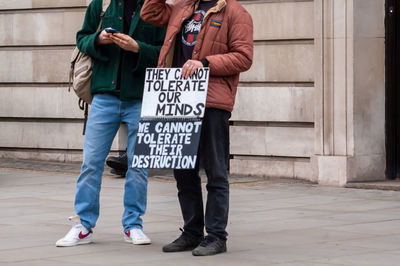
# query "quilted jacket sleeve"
(240, 44)
(156, 12)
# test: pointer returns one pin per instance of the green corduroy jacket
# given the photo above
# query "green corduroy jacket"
(106, 58)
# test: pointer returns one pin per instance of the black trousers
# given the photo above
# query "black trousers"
(214, 154)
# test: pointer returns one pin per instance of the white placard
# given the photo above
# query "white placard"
(168, 94)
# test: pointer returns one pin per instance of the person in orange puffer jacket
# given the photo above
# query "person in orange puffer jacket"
(217, 34)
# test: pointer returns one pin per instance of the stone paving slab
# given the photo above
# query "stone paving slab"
(272, 222)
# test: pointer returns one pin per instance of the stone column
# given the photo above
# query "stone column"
(350, 91)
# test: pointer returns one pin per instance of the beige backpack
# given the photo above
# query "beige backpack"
(80, 74)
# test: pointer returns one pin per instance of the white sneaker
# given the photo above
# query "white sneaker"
(78, 234)
(137, 237)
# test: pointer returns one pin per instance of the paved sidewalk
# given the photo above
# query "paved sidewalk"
(272, 222)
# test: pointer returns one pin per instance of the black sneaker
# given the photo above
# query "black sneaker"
(210, 246)
(183, 243)
(118, 163)
(120, 173)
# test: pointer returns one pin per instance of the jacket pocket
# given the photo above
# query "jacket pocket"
(227, 82)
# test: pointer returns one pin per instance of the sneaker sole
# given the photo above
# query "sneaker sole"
(117, 165)
(66, 244)
(209, 254)
(137, 242)
(118, 172)
(178, 250)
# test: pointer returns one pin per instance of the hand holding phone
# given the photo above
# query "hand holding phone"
(125, 42)
(111, 30)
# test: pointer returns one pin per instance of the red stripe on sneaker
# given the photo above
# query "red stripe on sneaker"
(128, 233)
(82, 236)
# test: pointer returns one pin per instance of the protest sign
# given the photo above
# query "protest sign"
(167, 144)
(169, 132)
(168, 94)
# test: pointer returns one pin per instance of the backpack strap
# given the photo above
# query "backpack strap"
(84, 106)
(106, 4)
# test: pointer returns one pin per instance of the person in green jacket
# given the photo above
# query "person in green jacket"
(120, 60)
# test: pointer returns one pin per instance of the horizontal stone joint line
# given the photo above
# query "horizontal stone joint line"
(33, 84)
(50, 150)
(36, 47)
(43, 120)
(273, 124)
(270, 158)
(306, 41)
(42, 10)
(275, 84)
(271, 1)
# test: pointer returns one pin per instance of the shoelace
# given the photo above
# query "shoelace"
(73, 231)
(138, 234)
(207, 240)
(182, 238)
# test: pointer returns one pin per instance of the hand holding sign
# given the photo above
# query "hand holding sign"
(190, 67)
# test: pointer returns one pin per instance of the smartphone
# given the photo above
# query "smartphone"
(111, 30)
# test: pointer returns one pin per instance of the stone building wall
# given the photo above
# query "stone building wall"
(39, 118)
(299, 109)
(273, 120)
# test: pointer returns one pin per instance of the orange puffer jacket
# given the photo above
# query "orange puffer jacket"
(225, 40)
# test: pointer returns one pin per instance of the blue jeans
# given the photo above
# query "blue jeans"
(105, 116)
